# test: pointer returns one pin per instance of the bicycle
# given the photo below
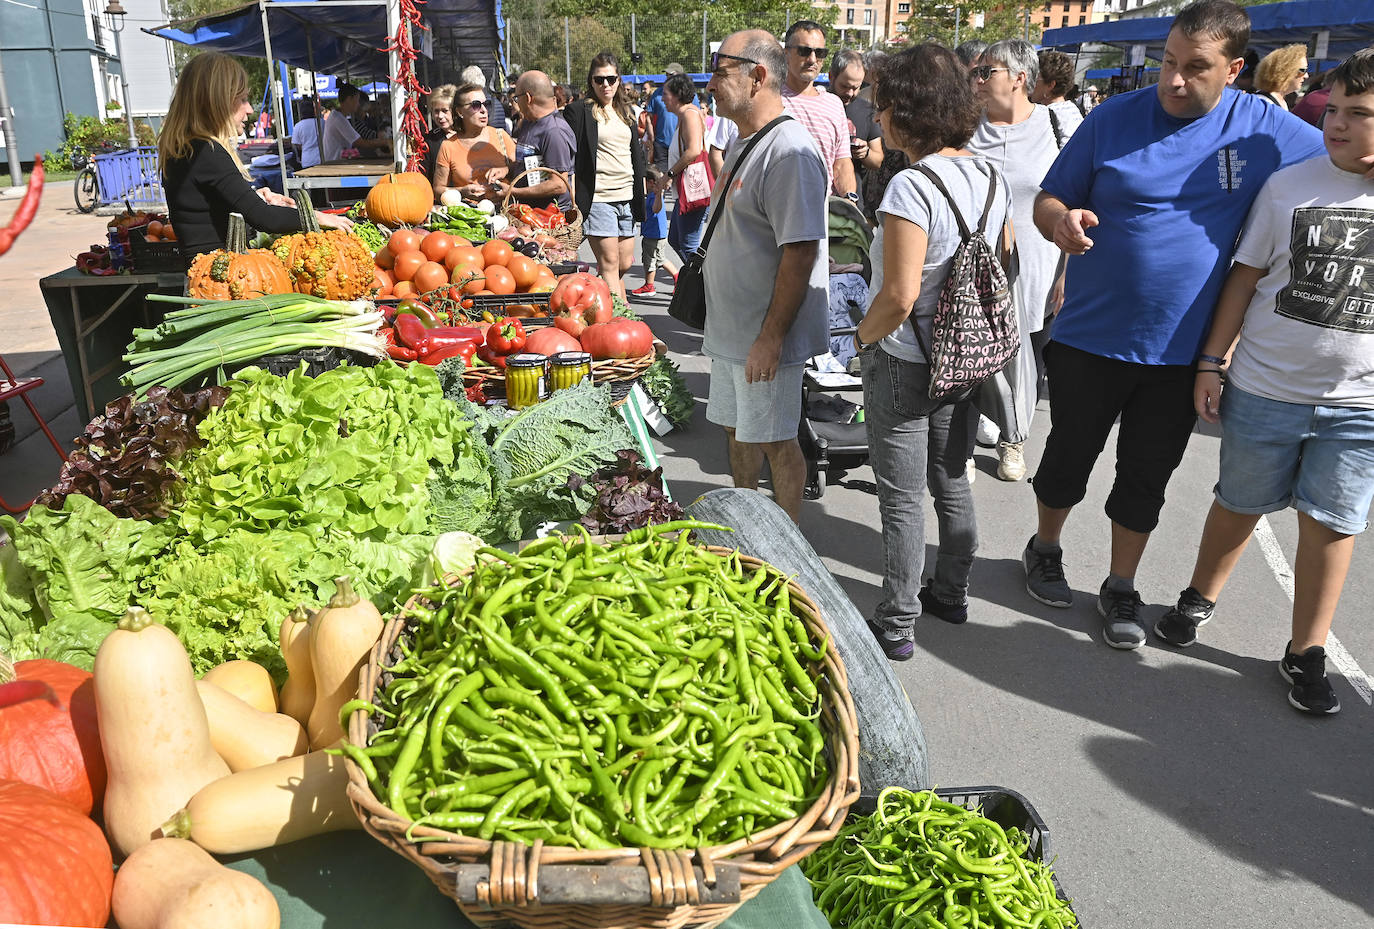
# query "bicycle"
(87, 189)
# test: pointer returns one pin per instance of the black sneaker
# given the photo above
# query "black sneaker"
(954, 613)
(1311, 692)
(1045, 576)
(1121, 625)
(1179, 625)
(896, 645)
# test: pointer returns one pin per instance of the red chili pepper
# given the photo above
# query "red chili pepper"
(28, 207)
(401, 353)
(506, 337)
(410, 332)
(464, 350)
(476, 394)
(490, 357)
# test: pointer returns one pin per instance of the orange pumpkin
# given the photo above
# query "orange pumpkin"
(237, 272)
(333, 264)
(400, 199)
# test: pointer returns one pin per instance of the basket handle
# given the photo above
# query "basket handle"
(505, 203)
(591, 885)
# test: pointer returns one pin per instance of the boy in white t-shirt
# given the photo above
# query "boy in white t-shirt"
(1296, 317)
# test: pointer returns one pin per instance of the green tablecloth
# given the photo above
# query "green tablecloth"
(347, 879)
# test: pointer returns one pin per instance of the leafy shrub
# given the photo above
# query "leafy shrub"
(86, 135)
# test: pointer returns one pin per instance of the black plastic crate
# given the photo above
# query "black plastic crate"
(154, 257)
(317, 361)
(1002, 805)
(499, 304)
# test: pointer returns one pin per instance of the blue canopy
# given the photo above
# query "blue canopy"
(344, 38)
(1350, 22)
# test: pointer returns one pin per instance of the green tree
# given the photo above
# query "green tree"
(191, 9)
(935, 21)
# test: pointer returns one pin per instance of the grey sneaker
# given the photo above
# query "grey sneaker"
(1179, 626)
(1010, 465)
(1045, 576)
(1311, 691)
(1121, 625)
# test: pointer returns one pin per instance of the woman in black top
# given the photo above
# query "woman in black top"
(202, 177)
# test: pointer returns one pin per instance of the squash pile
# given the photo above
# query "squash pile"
(178, 770)
(237, 272)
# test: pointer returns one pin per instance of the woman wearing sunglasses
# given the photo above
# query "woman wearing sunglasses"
(477, 155)
(609, 170)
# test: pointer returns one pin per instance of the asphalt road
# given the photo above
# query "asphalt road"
(1179, 786)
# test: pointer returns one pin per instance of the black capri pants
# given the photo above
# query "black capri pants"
(1087, 394)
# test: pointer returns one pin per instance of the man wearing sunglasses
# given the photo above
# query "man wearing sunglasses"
(821, 114)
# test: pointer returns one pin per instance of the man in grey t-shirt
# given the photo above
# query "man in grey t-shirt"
(766, 271)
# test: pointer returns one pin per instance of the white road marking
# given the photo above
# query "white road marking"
(1340, 657)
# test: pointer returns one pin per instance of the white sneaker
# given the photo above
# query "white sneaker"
(988, 433)
(971, 471)
(1011, 466)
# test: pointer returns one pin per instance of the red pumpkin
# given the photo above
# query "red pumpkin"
(55, 865)
(56, 749)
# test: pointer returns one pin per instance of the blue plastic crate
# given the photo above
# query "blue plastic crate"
(130, 175)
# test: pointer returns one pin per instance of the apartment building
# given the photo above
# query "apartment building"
(860, 22)
(1059, 14)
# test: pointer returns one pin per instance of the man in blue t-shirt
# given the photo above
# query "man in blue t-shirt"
(1148, 196)
(665, 123)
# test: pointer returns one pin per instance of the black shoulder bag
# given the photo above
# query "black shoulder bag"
(688, 305)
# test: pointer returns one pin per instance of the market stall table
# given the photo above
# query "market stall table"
(350, 173)
(94, 318)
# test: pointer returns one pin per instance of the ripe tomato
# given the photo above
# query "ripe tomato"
(168, 233)
(464, 255)
(403, 289)
(430, 276)
(404, 240)
(407, 263)
(497, 252)
(385, 258)
(154, 230)
(436, 245)
(477, 283)
(619, 338)
(524, 270)
(385, 280)
(500, 280)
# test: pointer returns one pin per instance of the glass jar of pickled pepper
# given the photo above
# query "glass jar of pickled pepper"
(526, 380)
(567, 369)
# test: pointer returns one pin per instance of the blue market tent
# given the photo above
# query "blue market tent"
(1349, 24)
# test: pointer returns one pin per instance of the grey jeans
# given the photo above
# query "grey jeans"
(915, 442)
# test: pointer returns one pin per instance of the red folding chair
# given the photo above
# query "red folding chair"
(11, 386)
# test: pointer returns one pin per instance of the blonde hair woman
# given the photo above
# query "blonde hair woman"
(441, 124)
(1280, 73)
(203, 178)
(478, 155)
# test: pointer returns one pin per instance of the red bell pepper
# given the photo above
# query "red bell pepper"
(445, 336)
(410, 332)
(506, 337)
(464, 350)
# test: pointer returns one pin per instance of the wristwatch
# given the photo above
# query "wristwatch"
(852, 197)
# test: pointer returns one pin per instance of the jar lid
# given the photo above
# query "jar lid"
(570, 359)
(526, 360)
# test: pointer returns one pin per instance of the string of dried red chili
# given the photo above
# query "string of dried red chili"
(413, 125)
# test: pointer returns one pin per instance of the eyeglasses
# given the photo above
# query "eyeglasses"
(716, 60)
(1302, 71)
(605, 80)
(476, 104)
(804, 51)
(985, 72)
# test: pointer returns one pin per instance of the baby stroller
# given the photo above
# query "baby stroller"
(832, 433)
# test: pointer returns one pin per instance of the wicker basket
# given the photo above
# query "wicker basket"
(619, 373)
(499, 884)
(568, 235)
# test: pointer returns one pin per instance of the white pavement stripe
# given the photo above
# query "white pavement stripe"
(1340, 657)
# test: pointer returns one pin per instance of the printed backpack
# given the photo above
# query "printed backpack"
(974, 334)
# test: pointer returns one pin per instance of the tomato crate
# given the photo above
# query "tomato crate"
(1002, 805)
(501, 304)
(154, 257)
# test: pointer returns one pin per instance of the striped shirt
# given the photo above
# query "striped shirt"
(822, 115)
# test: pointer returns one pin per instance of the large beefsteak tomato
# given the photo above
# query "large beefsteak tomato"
(619, 338)
(580, 300)
(550, 341)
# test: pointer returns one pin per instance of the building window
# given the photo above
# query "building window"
(868, 17)
(1045, 23)
(1047, 8)
(1082, 20)
(1082, 8)
(1064, 22)
(904, 8)
(849, 17)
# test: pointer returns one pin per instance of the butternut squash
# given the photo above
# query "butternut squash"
(298, 693)
(153, 729)
(246, 680)
(173, 884)
(342, 635)
(245, 737)
(267, 806)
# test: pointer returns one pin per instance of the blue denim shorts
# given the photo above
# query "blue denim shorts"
(1317, 459)
(609, 220)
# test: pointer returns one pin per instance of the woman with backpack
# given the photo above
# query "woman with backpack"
(925, 106)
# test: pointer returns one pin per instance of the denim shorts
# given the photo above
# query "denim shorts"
(1317, 459)
(609, 220)
(764, 411)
